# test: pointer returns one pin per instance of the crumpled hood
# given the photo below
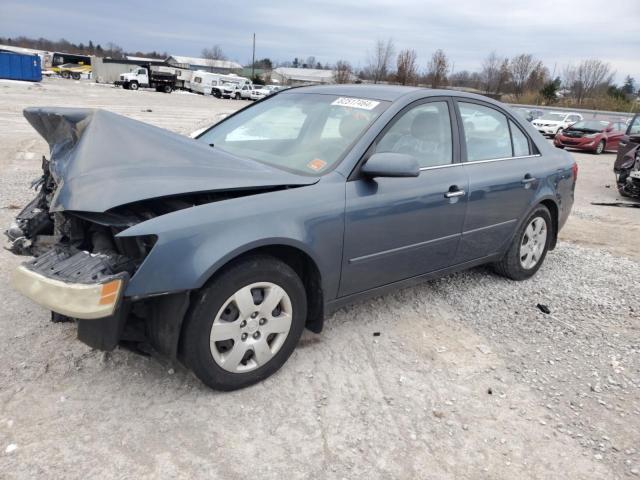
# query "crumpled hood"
(101, 160)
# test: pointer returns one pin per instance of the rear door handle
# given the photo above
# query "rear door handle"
(454, 192)
(527, 179)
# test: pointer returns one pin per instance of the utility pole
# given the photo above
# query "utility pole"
(253, 59)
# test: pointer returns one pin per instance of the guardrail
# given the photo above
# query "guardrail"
(587, 114)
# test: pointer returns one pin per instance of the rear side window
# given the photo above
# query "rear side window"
(486, 132)
(520, 141)
(489, 134)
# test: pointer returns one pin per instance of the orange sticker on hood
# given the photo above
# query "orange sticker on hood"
(316, 164)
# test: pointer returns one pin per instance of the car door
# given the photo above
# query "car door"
(397, 228)
(625, 144)
(614, 135)
(503, 169)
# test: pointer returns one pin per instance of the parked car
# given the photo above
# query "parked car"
(260, 91)
(220, 250)
(553, 122)
(529, 114)
(593, 135)
(245, 91)
(627, 165)
(236, 90)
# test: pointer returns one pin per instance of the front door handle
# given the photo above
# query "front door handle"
(527, 179)
(453, 192)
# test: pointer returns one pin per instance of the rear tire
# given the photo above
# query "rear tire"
(65, 74)
(516, 264)
(167, 89)
(75, 76)
(215, 362)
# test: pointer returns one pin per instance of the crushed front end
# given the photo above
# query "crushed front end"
(628, 174)
(80, 269)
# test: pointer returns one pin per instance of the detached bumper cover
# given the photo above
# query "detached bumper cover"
(78, 285)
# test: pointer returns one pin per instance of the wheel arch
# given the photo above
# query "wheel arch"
(296, 257)
(554, 211)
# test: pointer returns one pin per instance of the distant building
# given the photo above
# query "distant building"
(205, 64)
(301, 76)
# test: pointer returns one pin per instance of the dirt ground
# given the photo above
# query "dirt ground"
(467, 379)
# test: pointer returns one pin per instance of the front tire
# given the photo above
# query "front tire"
(133, 86)
(244, 323)
(528, 248)
(599, 148)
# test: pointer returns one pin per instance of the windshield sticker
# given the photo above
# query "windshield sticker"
(362, 103)
(316, 164)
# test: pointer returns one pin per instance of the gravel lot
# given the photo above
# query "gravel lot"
(467, 380)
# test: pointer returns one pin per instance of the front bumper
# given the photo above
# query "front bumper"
(547, 130)
(579, 143)
(75, 285)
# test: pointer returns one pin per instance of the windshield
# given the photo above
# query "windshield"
(595, 125)
(302, 133)
(555, 117)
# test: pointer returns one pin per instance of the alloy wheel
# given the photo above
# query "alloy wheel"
(533, 243)
(251, 327)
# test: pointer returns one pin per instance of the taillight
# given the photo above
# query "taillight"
(574, 170)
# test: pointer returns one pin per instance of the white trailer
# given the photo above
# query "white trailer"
(183, 78)
(216, 84)
(203, 82)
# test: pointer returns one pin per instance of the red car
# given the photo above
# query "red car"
(593, 135)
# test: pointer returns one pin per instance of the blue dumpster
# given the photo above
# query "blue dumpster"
(17, 66)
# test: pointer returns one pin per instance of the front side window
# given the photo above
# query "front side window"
(634, 127)
(486, 132)
(424, 132)
(302, 133)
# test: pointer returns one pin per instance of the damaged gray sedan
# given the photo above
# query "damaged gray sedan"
(218, 251)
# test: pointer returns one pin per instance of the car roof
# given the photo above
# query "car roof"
(378, 92)
(389, 93)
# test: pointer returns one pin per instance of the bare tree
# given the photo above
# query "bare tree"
(342, 72)
(520, 67)
(214, 53)
(589, 76)
(379, 62)
(407, 73)
(504, 76)
(495, 73)
(438, 69)
(490, 72)
(538, 77)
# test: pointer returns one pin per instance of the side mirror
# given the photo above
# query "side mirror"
(391, 165)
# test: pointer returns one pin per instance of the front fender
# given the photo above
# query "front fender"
(194, 243)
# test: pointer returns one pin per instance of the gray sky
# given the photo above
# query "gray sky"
(557, 32)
